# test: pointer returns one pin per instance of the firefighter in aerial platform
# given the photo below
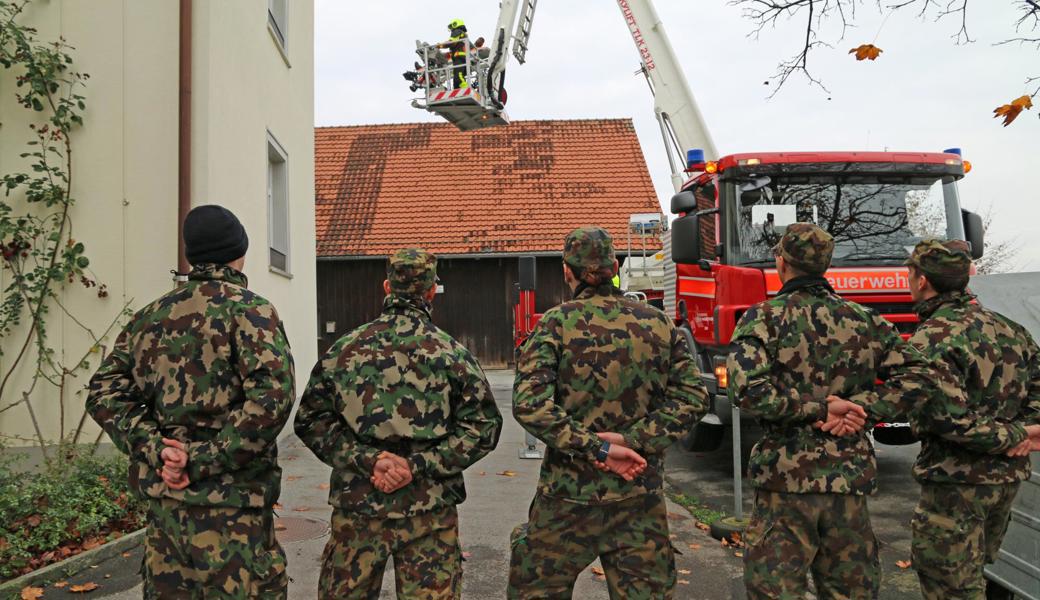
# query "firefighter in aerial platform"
(457, 51)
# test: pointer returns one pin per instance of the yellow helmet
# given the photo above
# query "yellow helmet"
(456, 24)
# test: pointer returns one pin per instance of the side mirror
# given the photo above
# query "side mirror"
(684, 202)
(686, 239)
(974, 232)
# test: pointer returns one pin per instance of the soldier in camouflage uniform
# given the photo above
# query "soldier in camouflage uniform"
(604, 381)
(794, 358)
(398, 409)
(195, 390)
(968, 479)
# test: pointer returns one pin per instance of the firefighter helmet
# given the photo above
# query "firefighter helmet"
(456, 24)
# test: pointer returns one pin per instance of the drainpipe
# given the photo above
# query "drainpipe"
(184, 134)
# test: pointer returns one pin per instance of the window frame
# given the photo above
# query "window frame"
(275, 149)
(279, 31)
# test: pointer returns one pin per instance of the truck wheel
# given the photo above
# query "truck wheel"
(725, 527)
(704, 437)
(995, 591)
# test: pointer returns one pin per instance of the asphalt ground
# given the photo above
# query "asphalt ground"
(495, 505)
(707, 476)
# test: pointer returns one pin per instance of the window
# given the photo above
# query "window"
(278, 21)
(277, 205)
(707, 200)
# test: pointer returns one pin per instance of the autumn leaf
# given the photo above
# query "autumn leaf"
(683, 582)
(507, 473)
(903, 564)
(31, 593)
(277, 506)
(703, 526)
(738, 554)
(60, 584)
(323, 486)
(90, 586)
(695, 546)
(684, 571)
(279, 526)
(866, 51)
(292, 477)
(301, 509)
(467, 555)
(1011, 111)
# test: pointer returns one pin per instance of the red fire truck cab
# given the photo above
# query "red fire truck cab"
(877, 205)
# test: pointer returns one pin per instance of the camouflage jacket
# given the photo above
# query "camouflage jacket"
(604, 363)
(789, 354)
(207, 364)
(964, 438)
(398, 384)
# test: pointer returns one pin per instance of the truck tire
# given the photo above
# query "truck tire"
(704, 437)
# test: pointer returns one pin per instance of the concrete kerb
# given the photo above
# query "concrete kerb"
(72, 565)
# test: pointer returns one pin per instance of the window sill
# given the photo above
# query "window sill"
(278, 271)
(278, 44)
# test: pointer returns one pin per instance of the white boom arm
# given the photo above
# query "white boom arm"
(682, 125)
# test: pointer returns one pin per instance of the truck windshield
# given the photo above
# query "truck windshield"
(872, 217)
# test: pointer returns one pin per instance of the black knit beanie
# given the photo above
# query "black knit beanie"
(213, 234)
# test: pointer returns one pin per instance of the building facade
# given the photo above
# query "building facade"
(480, 201)
(250, 137)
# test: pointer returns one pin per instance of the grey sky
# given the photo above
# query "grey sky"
(923, 94)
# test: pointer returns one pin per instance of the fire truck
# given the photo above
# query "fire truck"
(730, 210)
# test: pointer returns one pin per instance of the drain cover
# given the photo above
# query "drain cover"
(298, 529)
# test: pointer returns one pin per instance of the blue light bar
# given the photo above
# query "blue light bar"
(956, 151)
(694, 156)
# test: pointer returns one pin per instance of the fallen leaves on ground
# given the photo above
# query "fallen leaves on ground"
(695, 546)
(597, 574)
(124, 555)
(507, 473)
(91, 543)
(301, 509)
(903, 564)
(683, 582)
(62, 584)
(684, 571)
(703, 526)
(482, 473)
(277, 506)
(31, 593)
(279, 526)
(323, 486)
(293, 477)
(738, 554)
(1011, 111)
(866, 51)
(467, 555)
(90, 586)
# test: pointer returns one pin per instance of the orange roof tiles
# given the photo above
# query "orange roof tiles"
(518, 188)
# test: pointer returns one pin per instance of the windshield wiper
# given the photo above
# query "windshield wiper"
(862, 258)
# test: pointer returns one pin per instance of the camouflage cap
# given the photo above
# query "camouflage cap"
(947, 260)
(589, 248)
(411, 271)
(806, 247)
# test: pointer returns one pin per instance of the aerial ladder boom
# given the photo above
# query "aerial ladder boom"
(681, 123)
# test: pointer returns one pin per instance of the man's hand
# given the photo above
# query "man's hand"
(843, 417)
(175, 454)
(1030, 444)
(175, 461)
(623, 461)
(391, 472)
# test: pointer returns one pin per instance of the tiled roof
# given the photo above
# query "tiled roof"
(517, 188)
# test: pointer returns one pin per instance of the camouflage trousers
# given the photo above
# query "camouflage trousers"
(202, 552)
(425, 547)
(562, 538)
(957, 531)
(793, 535)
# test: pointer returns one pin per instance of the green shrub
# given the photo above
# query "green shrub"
(48, 514)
